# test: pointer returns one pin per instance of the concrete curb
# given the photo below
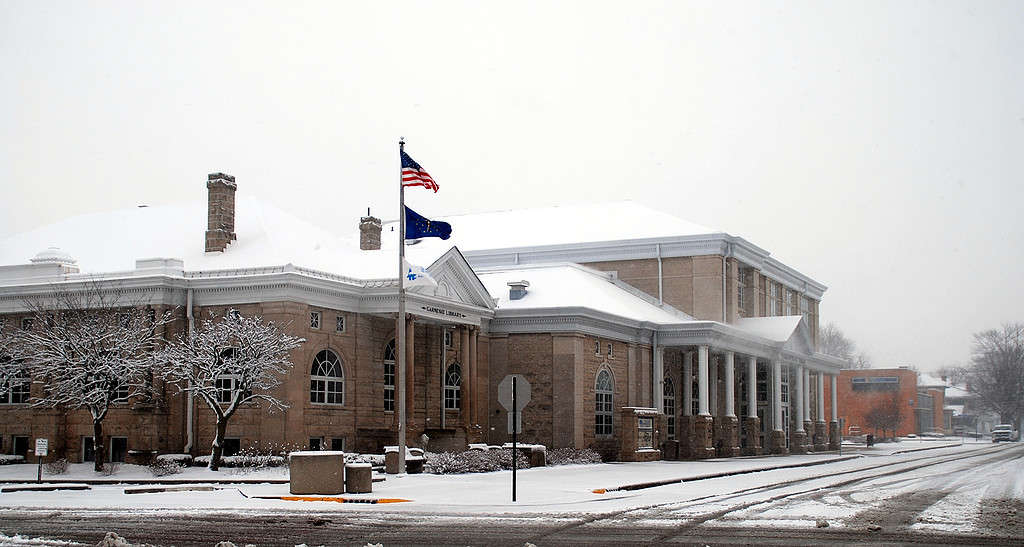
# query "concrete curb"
(78, 485)
(652, 484)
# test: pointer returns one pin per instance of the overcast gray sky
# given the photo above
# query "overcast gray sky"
(877, 147)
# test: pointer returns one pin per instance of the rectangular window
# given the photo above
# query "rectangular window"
(339, 324)
(741, 291)
(26, 323)
(875, 383)
(447, 338)
(15, 390)
(316, 443)
(338, 445)
(314, 320)
(226, 385)
(88, 454)
(389, 386)
(773, 299)
(762, 383)
(805, 307)
(597, 347)
(789, 302)
(610, 355)
(603, 417)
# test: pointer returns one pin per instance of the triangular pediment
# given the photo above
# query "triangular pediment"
(800, 340)
(456, 281)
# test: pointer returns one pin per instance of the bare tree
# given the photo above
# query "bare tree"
(832, 341)
(996, 373)
(228, 362)
(885, 413)
(956, 374)
(90, 348)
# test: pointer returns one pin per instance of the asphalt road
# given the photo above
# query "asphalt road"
(746, 513)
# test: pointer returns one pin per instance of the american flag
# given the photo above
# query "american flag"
(414, 175)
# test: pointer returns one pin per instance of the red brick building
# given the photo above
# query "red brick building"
(919, 399)
(615, 313)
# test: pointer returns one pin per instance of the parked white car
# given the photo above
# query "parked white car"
(1004, 432)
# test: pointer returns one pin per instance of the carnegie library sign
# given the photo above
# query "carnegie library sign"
(443, 312)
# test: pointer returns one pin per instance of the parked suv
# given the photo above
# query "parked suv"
(1003, 432)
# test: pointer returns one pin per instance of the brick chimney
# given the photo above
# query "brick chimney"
(220, 216)
(369, 232)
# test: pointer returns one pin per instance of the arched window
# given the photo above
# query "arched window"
(453, 387)
(669, 392)
(603, 390)
(327, 379)
(389, 377)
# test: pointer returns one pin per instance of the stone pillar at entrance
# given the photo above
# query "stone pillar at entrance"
(820, 429)
(703, 425)
(777, 437)
(751, 423)
(834, 435)
(730, 425)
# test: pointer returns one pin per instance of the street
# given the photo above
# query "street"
(967, 496)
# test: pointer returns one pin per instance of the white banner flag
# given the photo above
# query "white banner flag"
(416, 276)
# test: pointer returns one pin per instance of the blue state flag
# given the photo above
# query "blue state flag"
(418, 226)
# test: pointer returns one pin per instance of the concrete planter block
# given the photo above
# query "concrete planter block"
(538, 456)
(414, 465)
(358, 478)
(391, 462)
(140, 457)
(317, 472)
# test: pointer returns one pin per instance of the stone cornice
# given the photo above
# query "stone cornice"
(718, 243)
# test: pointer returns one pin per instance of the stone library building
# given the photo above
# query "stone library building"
(641, 335)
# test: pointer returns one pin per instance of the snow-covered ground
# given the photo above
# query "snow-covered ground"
(949, 498)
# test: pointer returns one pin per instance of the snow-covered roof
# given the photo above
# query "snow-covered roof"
(267, 236)
(776, 329)
(571, 285)
(563, 224)
(953, 392)
(927, 380)
(958, 410)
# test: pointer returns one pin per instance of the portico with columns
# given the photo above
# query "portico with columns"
(747, 389)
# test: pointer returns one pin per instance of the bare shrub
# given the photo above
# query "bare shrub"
(56, 467)
(567, 456)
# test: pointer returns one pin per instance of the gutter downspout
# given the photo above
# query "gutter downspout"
(188, 410)
(661, 300)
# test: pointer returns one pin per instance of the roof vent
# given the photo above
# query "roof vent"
(517, 289)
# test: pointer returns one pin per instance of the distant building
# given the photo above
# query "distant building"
(643, 336)
(920, 399)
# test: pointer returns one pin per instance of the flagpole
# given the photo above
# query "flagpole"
(400, 339)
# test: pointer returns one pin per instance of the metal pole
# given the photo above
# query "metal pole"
(400, 339)
(515, 453)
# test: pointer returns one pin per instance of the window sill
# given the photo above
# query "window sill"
(339, 405)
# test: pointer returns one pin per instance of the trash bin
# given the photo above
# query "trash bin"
(871, 440)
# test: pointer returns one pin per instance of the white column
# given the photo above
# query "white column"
(807, 393)
(659, 379)
(713, 363)
(799, 395)
(702, 380)
(835, 400)
(820, 415)
(688, 383)
(752, 387)
(730, 384)
(777, 395)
